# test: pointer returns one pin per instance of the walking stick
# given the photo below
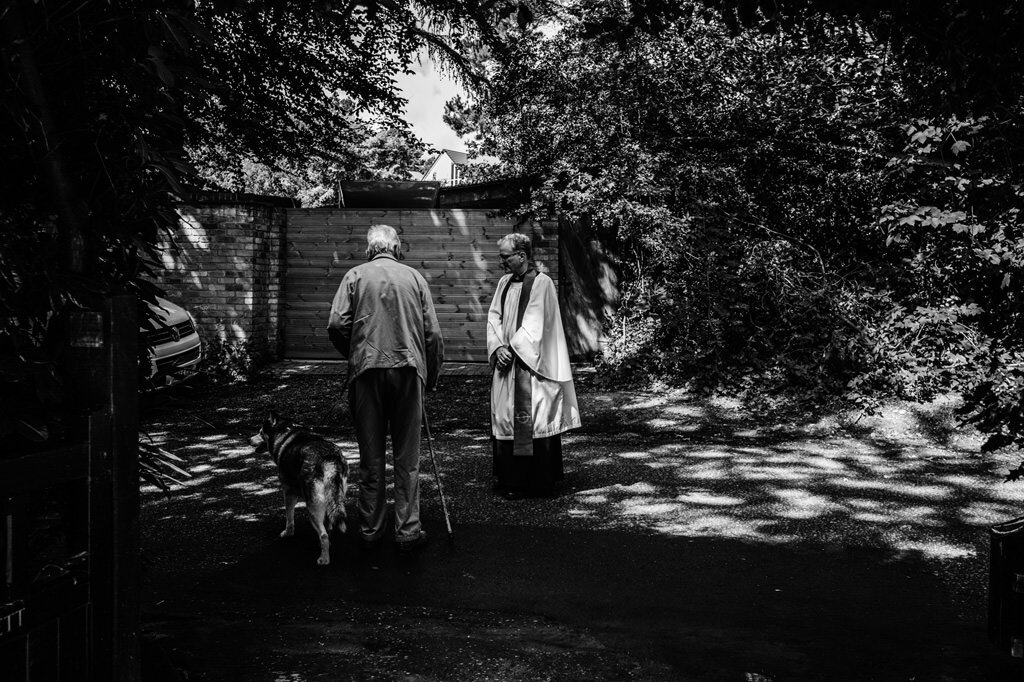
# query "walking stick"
(437, 477)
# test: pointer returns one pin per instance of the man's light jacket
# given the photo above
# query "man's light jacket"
(383, 317)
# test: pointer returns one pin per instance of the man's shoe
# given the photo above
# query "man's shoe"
(407, 546)
(514, 495)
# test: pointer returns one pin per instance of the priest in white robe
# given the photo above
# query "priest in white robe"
(533, 400)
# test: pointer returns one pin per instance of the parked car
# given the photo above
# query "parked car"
(175, 349)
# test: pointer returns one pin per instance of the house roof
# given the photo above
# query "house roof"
(458, 158)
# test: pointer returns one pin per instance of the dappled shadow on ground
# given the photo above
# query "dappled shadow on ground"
(681, 468)
(662, 463)
(688, 523)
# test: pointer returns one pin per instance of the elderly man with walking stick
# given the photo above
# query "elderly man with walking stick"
(383, 320)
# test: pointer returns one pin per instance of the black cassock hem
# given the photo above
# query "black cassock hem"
(536, 475)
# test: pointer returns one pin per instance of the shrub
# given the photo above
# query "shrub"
(227, 361)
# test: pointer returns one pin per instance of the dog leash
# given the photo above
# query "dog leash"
(336, 406)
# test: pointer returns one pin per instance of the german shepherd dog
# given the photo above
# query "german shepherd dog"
(309, 468)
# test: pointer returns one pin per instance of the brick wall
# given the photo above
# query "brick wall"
(223, 266)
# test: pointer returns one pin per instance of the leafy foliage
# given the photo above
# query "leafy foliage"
(160, 468)
(731, 169)
(968, 53)
(385, 153)
(813, 194)
(796, 201)
(276, 68)
(103, 99)
(227, 361)
(293, 91)
(88, 181)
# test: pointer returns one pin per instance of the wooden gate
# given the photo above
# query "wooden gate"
(69, 605)
(455, 250)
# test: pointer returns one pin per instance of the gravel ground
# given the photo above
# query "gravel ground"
(694, 540)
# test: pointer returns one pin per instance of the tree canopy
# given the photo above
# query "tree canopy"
(105, 99)
(812, 194)
(819, 193)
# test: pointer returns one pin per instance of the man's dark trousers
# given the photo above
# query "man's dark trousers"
(384, 400)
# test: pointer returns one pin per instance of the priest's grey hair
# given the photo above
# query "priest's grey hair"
(382, 239)
(518, 241)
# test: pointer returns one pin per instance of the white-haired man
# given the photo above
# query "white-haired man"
(533, 400)
(383, 321)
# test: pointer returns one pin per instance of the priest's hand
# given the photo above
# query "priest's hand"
(503, 358)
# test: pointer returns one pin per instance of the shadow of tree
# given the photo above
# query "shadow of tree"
(680, 467)
(805, 505)
(664, 462)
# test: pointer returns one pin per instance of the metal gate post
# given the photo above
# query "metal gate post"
(1006, 587)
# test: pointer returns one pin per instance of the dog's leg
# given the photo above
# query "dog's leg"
(316, 510)
(289, 514)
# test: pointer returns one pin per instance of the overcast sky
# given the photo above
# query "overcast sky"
(427, 90)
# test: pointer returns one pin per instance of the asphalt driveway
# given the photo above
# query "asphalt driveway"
(694, 541)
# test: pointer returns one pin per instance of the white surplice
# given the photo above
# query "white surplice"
(540, 343)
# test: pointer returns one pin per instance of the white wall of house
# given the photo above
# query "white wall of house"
(443, 168)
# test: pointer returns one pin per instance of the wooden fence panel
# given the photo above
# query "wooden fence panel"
(455, 251)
